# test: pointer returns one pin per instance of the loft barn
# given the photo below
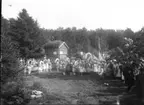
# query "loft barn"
(56, 49)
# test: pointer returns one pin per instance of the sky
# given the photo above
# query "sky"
(91, 14)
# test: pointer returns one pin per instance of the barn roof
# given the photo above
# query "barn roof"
(55, 44)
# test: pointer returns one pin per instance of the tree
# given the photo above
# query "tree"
(114, 39)
(9, 55)
(128, 33)
(25, 31)
(4, 25)
(132, 51)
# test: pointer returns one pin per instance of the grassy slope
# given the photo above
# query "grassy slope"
(87, 89)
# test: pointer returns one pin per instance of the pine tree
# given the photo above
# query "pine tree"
(26, 32)
(9, 54)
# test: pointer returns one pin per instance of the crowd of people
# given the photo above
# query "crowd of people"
(131, 75)
(68, 65)
(39, 65)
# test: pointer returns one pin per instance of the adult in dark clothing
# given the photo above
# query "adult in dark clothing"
(140, 85)
(111, 69)
(121, 71)
(129, 78)
(68, 68)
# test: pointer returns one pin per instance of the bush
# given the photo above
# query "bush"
(9, 59)
(36, 86)
(14, 93)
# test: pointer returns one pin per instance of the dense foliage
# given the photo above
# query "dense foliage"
(133, 51)
(25, 31)
(87, 40)
(9, 54)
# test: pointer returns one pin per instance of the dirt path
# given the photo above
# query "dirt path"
(87, 89)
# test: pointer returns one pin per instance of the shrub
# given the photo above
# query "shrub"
(36, 86)
(14, 93)
(9, 61)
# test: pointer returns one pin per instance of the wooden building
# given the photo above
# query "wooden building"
(56, 49)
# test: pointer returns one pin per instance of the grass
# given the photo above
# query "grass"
(86, 89)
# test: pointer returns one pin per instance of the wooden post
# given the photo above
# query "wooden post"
(99, 47)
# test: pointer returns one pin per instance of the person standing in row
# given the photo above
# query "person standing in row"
(140, 85)
(129, 77)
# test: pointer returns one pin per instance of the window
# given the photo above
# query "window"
(61, 52)
(55, 53)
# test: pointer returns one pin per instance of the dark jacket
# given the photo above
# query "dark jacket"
(128, 75)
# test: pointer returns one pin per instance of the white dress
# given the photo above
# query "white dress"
(118, 74)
